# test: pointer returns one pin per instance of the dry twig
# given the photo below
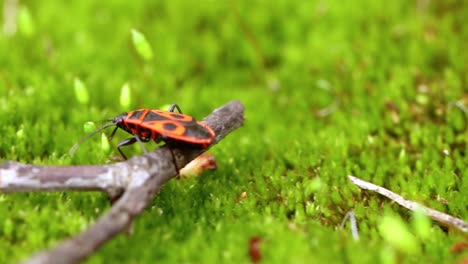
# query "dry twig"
(435, 215)
(353, 223)
(138, 179)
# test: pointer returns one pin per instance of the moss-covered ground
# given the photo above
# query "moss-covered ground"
(331, 88)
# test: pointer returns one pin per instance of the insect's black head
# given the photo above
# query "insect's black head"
(118, 120)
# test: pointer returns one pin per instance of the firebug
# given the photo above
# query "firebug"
(176, 129)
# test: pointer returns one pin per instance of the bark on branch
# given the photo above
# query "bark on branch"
(139, 178)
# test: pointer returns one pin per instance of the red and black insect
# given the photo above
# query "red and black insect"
(176, 129)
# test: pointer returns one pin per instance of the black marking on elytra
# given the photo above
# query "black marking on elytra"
(182, 144)
(195, 130)
(177, 116)
(152, 116)
(136, 114)
(169, 126)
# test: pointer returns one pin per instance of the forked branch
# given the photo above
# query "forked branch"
(138, 179)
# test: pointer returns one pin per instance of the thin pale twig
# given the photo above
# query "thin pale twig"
(352, 221)
(413, 206)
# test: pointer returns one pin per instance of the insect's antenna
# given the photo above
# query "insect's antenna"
(105, 120)
(83, 139)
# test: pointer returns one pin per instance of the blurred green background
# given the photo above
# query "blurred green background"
(331, 88)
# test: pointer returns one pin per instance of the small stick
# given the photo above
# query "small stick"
(140, 177)
(413, 206)
(352, 221)
(17, 177)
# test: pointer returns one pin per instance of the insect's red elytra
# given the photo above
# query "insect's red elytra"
(176, 129)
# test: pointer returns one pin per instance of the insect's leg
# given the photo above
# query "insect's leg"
(174, 161)
(125, 142)
(174, 106)
(130, 141)
(140, 141)
(113, 133)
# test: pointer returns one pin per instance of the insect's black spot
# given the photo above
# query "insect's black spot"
(169, 126)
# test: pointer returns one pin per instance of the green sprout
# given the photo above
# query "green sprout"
(81, 92)
(396, 232)
(141, 45)
(89, 127)
(25, 22)
(105, 146)
(421, 224)
(20, 132)
(125, 96)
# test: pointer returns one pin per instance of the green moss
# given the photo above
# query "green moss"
(331, 88)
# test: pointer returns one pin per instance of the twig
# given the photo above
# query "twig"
(141, 177)
(17, 177)
(413, 206)
(352, 221)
